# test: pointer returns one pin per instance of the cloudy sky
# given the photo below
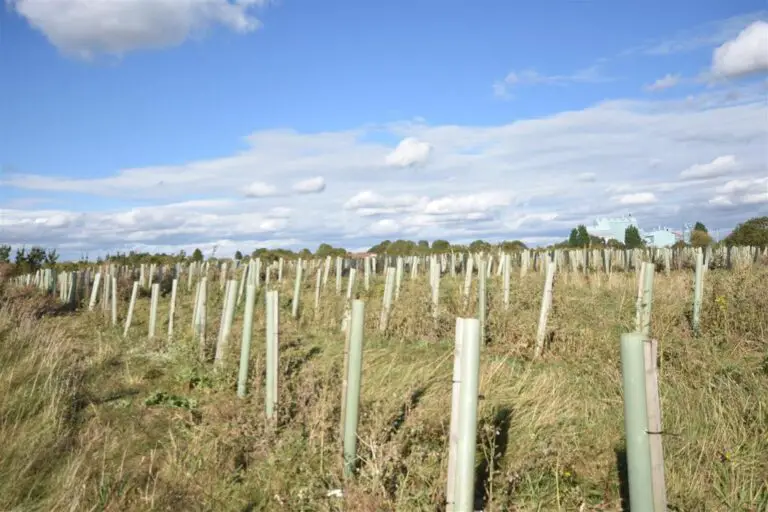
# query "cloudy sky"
(175, 124)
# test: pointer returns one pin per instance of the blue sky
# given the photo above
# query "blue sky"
(172, 124)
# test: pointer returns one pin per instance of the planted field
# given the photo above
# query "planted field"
(94, 416)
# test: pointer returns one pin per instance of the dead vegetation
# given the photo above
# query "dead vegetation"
(92, 421)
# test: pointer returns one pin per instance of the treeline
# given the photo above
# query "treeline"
(753, 232)
(28, 261)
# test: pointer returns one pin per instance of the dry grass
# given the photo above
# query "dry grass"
(92, 421)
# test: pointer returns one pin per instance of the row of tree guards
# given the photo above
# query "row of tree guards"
(638, 351)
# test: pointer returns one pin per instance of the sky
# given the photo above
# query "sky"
(166, 125)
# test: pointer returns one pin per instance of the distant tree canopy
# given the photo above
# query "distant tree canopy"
(512, 245)
(632, 238)
(700, 238)
(480, 246)
(752, 232)
(325, 250)
(29, 261)
(580, 237)
(441, 246)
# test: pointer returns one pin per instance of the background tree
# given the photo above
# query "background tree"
(440, 246)
(479, 246)
(51, 257)
(583, 236)
(700, 227)
(700, 238)
(573, 238)
(5, 253)
(423, 247)
(596, 241)
(402, 248)
(512, 246)
(632, 238)
(381, 247)
(324, 250)
(197, 255)
(753, 232)
(238, 255)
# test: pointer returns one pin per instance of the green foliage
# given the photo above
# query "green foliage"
(580, 237)
(5, 253)
(164, 399)
(753, 232)
(479, 246)
(441, 246)
(238, 255)
(632, 238)
(325, 250)
(381, 247)
(700, 238)
(31, 261)
(583, 236)
(573, 239)
(700, 227)
(197, 255)
(596, 242)
(512, 246)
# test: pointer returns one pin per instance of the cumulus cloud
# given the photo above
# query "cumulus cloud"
(472, 203)
(310, 186)
(531, 179)
(368, 202)
(742, 192)
(410, 152)
(747, 53)
(384, 227)
(720, 166)
(665, 82)
(637, 198)
(260, 189)
(88, 27)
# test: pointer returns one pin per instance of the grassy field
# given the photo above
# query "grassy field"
(90, 420)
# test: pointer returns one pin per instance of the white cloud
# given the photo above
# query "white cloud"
(367, 199)
(88, 27)
(592, 74)
(637, 198)
(260, 189)
(665, 82)
(705, 35)
(410, 152)
(384, 227)
(468, 204)
(720, 166)
(743, 55)
(310, 186)
(531, 178)
(742, 192)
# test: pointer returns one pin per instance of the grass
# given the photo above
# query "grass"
(90, 420)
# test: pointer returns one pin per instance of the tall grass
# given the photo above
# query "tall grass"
(92, 421)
